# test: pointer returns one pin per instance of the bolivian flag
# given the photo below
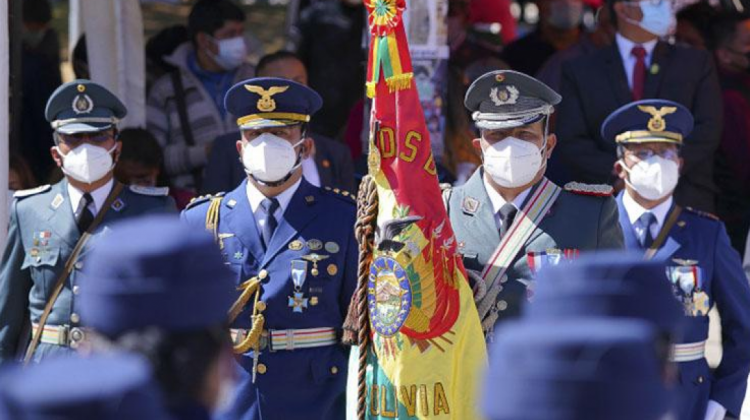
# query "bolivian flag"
(426, 347)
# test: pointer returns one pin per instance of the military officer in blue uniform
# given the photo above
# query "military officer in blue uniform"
(510, 221)
(292, 248)
(53, 227)
(703, 268)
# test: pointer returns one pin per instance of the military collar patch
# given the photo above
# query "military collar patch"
(470, 205)
(57, 201)
(82, 104)
(118, 205)
(231, 203)
(309, 199)
(266, 103)
(507, 95)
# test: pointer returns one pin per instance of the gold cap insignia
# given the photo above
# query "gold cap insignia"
(266, 102)
(504, 96)
(82, 104)
(499, 78)
(657, 122)
(81, 88)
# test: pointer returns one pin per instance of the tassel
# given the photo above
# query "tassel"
(399, 82)
(371, 89)
(253, 336)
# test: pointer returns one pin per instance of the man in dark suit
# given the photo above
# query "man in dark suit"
(637, 66)
(329, 164)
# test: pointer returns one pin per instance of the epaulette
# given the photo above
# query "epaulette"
(32, 191)
(597, 190)
(702, 213)
(343, 194)
(202, 199)
(152, 191)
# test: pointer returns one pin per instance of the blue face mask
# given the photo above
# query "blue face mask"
(657, 16)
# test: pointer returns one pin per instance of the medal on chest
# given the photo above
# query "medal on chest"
(297, 301)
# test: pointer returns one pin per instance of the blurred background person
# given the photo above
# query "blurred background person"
(186, 107)
(559, 27)
(730, 42)
(141, 163)
(694, 24)
(331, 47)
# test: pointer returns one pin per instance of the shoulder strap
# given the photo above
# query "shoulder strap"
(68, 268)
(663, 233)
(187, 131)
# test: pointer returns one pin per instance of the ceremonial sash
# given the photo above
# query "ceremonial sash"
(523, 226)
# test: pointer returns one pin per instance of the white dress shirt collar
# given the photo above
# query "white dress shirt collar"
(635, 211)
(99, 195)
(255, 197)
(498, 201)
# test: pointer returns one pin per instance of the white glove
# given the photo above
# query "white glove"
(715, 411)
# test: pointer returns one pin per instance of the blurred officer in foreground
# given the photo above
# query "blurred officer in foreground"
(509, 219)
(115, 387)
(703, 268)
(160, 289)
(292, 249)
(51, 227)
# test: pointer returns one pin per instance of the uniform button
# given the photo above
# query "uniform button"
(74, 318)
(263, 274)
(700, 379)
(79, 265)
(260, 306)
(499, 289)
(504, 279)
(502, 305)
(262, 368)
(76, 289)
(334, 370)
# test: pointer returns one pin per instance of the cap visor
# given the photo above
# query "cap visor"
(74, 128)
(263, 123)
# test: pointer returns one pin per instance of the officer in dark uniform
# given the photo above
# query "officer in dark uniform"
(53, 227)
(111, 387)
(510, 221)
(292, 248)
(159, 288)
(702, 267)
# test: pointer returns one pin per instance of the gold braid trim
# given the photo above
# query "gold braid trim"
(248, 288)
(253, 337)
(212, 217)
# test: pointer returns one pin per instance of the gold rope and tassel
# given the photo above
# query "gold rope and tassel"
(248, 288)
(212, 217)
(252, 340)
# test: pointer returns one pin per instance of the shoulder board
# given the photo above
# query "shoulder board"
(32, 191)
(343, 194)
(152, 191)
(701, 213)
(597, 190)
(202, 199)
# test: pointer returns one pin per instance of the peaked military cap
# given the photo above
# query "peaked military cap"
(610, 285)
(82, 106)
(575, 370)
(271, 102)
(649, 120)
(507, 99)
(112, 387)
(155, 271)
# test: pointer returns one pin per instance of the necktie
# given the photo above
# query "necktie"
(507, 214)
(639, 72)
(647, 220)
(85, 216)
(270, 205)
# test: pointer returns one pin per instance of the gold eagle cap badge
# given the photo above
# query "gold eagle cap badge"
(266, 103)
(657, 122)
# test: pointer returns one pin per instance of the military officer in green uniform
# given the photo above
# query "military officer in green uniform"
(54, 226)
(510, 221)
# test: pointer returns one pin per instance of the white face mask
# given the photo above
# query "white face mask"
(653, 178)
(513, 162)
(232, 53)
(88, 163)
(657, 18)
(269, 158)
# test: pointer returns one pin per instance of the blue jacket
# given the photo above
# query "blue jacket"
(302, 383)
(699, 239)
(41, 237)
